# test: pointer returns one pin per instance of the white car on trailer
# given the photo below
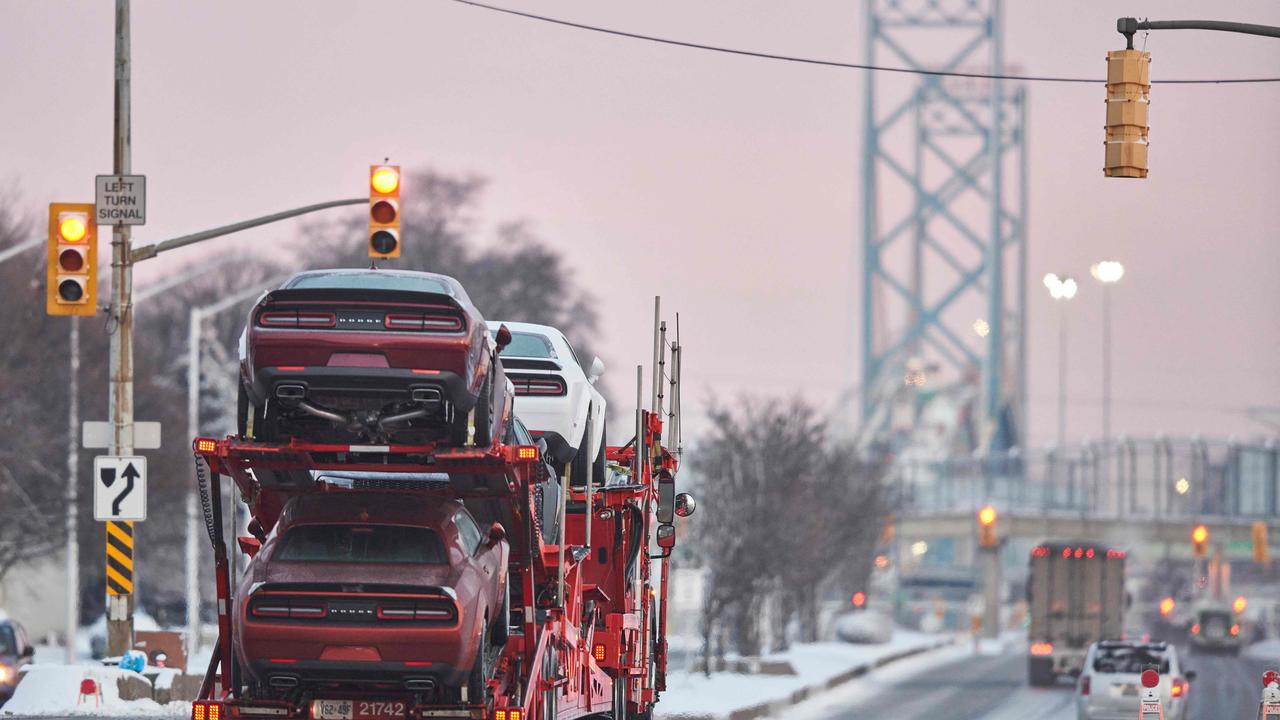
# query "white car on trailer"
(555, 398)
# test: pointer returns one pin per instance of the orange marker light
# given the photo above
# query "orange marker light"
(206, 445)
(599, 653)
(859, 599)
(385, 180)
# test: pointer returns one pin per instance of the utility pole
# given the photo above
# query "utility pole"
(73, 467)
(120, 607)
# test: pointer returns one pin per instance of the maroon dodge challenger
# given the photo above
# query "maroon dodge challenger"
(380, 356)
(413, 600)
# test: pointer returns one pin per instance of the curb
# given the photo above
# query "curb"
(776, 707)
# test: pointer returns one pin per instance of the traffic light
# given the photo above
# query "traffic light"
(1261, 553)
(987, 527)
(1166, 606)
(72, 274)
(1199, 541)
(384, 211)
(1239, 604)
(1128, 88)
(859, 599)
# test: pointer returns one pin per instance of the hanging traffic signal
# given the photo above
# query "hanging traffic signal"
(987, 527)
(1167, 605)
(1128, 99)
(1199, 541)
(384, 211)
(71, 278)
(1261, 553)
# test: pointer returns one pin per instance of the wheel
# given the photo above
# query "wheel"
(502, 626)
(478, 680)
(251, 422)
(581, 462)
(600, 465)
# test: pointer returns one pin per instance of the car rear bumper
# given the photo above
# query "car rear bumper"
(356, 654)
(286, 675)
(330, 386)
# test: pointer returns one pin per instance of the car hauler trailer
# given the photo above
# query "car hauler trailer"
(1075, 597)
(588, 612)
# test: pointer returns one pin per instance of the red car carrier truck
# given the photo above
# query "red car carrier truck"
(403, 582)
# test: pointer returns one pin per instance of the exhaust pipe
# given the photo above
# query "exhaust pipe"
(284, 682)
(427, 396)
(333, 417)
(420, 685)
(383, 422)
(291, 395)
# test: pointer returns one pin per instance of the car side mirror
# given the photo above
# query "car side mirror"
(497, 534)
(1190, 675)
(685, 505)
(29, 652)
(597, 369)
(249, 546)
(502, 338)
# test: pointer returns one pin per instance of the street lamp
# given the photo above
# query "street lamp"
(1107, 272)
(1061, 288)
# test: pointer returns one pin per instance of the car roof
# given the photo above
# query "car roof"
(373, 507)
(448, 281)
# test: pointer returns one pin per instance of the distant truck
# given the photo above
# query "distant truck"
(1075, 597)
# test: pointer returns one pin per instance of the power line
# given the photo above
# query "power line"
(833, 63)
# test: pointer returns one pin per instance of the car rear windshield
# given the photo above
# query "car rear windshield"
(8, 643)
(361, 544)
(1129, 660)
(370, 281)
(529, 345)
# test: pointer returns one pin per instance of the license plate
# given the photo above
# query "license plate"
(357, 710)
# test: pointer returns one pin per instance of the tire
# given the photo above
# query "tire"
(501, 631)
(479, 676)
(1040, 674)
(601, 466)
(581, 462)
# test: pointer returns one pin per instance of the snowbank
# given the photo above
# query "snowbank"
(54, 690)
(1265, 650)
(818, 666)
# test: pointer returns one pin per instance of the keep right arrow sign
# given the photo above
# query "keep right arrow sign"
(120, 488)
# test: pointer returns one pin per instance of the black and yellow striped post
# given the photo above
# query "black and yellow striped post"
(119, 557)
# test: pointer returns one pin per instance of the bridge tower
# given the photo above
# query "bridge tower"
(943, 222)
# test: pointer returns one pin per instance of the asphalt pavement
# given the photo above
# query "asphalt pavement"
(962, 686)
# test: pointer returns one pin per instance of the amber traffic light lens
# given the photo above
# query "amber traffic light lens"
(987, 515)
(383, 242)
(385, 180)
(383, 212)
(70, 290)
(73, 228)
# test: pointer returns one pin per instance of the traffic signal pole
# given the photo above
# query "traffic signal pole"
(1130, 26)
(120, 607)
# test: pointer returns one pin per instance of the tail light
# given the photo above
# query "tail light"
(1041, 649)
(430, 323)
(271, 608)
(1115, 554)
(508, 715)
(538, 385)
(295, 319)
(1084, 684)
(420, 611)
(1041, 551)
(1179, 687)
(206, 710)
(1195, 629)
(1235, 629)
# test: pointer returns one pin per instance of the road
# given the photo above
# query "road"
(960, 686)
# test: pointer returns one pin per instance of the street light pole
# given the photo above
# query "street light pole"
(1061, 289)
(72, 520)
(120, 607)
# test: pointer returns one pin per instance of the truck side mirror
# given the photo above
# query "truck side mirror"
(666, 497)
(685, 505)
(666, 536)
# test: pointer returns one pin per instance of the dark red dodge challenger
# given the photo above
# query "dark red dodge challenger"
(374, 589)
(376, 356)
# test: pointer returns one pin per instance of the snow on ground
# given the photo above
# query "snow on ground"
(692, 694)
(55, 690)
(1265, 650)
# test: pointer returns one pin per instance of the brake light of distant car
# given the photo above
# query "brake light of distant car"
(1042, 648)
(1066, 552)
(1041, 551)
(1235, 629)
(1115, 554)
(1195, 629)
(1084, 684)
(1089, 553)
(1079, 553)
(1239, 604)
(1179, 687)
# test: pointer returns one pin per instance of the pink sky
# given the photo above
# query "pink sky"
(728, 185)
